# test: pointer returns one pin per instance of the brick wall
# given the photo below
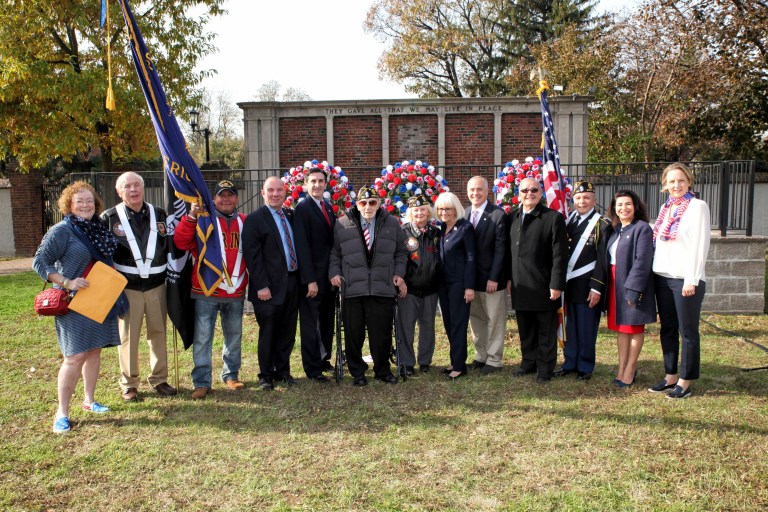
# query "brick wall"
(413, 138)
(736, 275)
(301, 139)
(469, 141)
(357, 141)
(520, 136)
(27, 207)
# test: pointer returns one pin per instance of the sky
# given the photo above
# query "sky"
(259, 41)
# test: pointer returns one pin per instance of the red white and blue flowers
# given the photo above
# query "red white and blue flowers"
(506, 185)
(406, 179)
(339, 191)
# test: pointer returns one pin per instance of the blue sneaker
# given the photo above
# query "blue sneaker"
(95, 407)
(61, 425)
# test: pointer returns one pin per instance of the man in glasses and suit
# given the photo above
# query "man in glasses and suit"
(369, 255)
(538, 255)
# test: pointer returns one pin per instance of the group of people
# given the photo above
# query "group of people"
(294, 263)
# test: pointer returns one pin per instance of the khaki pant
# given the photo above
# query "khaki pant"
(150, 305)
(488, 321)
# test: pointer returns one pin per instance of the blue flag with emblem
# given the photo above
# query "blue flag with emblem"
(183, 173)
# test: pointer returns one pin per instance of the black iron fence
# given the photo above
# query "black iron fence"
(726, 186)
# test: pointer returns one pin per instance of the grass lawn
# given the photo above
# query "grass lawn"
(482, 443)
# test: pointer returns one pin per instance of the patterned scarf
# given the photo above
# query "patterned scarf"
(668, 231)
(98, 233)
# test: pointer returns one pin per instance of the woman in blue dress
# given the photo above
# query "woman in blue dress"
(65, 253)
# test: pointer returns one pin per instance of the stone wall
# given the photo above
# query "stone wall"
(736, 275)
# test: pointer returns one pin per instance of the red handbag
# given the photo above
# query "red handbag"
(52, 302)
(55, 301)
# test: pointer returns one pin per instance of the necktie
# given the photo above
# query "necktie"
(325, 213)
(367, 236)
(475, 215)
(292, 265)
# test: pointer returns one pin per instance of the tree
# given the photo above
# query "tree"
(53, 76)
(270, 91)
(439, 48)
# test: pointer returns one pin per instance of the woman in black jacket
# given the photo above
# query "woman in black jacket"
(457, 277)
(631, 303)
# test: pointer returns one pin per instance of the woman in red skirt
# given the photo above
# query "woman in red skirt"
(631, 302)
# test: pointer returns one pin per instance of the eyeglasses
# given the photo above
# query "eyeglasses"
(84, 202)
(446, 209)
(531, 190)
(370, 202)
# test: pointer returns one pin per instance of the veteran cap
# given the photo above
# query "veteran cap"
(366, 193)
(419, 200)
(225, 185)
(583, 186)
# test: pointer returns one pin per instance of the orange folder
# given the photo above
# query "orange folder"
(97, 300)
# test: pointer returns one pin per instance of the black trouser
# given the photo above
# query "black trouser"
(538, 341)
(316, 329)
(455, 311)
(374, 313)
(680, 316)
(277, 332)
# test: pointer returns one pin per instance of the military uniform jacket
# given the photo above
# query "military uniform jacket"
(140, 226)
(423, 248)
(595, 244)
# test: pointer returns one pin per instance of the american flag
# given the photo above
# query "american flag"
(554, 184)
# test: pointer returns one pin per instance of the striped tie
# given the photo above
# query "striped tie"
(292, 265)
(475, 215)
(367, 236)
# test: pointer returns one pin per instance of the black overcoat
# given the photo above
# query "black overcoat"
(537, 253)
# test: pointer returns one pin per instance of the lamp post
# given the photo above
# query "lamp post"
(194, 122)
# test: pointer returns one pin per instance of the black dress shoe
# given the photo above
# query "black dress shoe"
(360, 381)
(583, 376)
(488, 369)
(476, 365)
(447, 370)
(266, 384)
(388, 379)
(321, 379)
(562, 372)
(460, 374)
(424, 368)
(521, 371)
(541, 379)
(289, 380)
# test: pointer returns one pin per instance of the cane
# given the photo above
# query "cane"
(338, 370)
(398, 358)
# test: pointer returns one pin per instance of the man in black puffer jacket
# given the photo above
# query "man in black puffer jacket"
(369, 255)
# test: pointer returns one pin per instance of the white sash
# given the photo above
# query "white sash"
(238, 275)
(577, 251)
(143, 266)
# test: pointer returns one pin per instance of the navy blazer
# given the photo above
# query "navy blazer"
(314, 241)
(264, 254)
(457, 254)
(490, 239)
(634, 262)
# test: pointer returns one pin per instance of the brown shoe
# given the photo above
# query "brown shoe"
(130, 395)
(234, 384)
(165, 389)
(200, 393)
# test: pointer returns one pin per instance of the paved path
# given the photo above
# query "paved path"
(15, 266)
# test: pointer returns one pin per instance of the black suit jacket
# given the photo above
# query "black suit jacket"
(538, 256)
(490, 240)
(577, 288)
(457, 255)
(314, 241)
(264, 254)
